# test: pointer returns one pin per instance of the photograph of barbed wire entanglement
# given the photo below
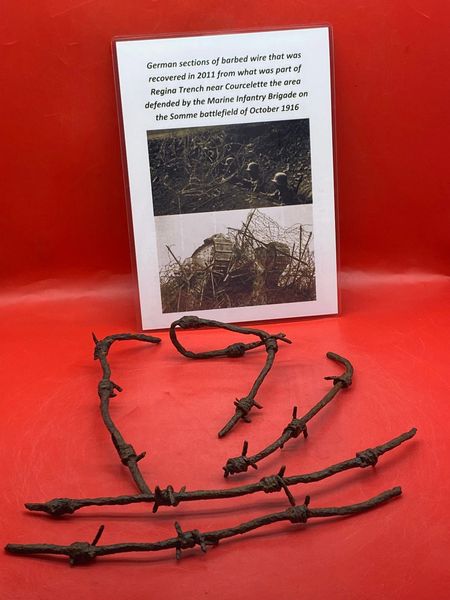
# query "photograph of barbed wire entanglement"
(240, 259)
(230, 167)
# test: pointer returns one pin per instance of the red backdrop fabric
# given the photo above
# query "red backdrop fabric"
(62, 180)
(65, 270)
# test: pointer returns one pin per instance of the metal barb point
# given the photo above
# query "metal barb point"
(98, 535)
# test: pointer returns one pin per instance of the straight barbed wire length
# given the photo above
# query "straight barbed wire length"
(240, 464)
(273, 483)
(85, 552)
(269, 341)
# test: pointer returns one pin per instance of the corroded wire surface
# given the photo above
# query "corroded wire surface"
(106, 391)
(85, 552)
(240, 464)
(269, 341)
(273, 483)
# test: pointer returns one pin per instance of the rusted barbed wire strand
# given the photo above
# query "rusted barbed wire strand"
(269, 341)
(274, 483)
(106, 390)
(232, 351)
(85, 552)
(295, 427)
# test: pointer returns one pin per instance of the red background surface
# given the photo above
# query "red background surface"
(65, 270)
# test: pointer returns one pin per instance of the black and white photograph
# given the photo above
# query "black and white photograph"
(236, 259)
(230, 167)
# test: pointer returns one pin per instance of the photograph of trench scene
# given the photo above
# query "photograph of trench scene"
(230, 167)
(252, 261)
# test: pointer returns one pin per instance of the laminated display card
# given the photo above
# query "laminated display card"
(229, 157)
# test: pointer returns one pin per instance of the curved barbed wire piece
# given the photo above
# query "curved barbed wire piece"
(270, 341)
(106, 391)
(86, 552)
(273, 483)
(297, 426)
